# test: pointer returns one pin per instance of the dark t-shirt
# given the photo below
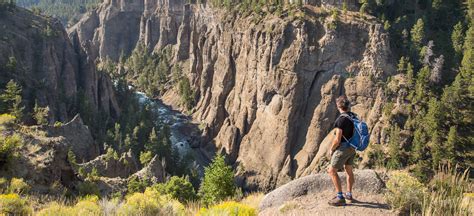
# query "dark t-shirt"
(346, 125)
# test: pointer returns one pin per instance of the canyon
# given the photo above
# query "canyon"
(266, 88)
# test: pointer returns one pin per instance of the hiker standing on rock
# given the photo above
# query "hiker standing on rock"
(342, 153)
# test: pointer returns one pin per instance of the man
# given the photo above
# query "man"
(342, 154)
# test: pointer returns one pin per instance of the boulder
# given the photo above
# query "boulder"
(154, 171)
(366, 181)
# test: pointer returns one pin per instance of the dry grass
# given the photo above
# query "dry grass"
(448, 193)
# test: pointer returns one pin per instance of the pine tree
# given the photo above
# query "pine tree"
(218, 183)
(418, 35)
(422, 85)
(40, 114)
(410, 75)
(402, 65)
(165, 149)
(118, 137)
(394, 150)
(457, 39)
(451, 145)
(153, 142)
(11, 98)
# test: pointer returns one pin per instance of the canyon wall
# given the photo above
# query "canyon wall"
(265, 86)
(53, 71)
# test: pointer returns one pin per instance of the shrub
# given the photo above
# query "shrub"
(218, 183)
(13, 204)
(18, 186)
(253, 200)
(178, 188)
(145, 157)
(229, 208)
(3, 185)
(88, 188)
(58, 124)
(150, 203)
(40, 114)
(9, 146)
(55, 209)
(136, 185)
(7, 120)
(86, 206)
(111, 154)
(405, 192)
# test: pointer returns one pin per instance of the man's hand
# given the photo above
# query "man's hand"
(337, 140)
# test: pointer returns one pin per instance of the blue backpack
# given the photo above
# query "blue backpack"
(360, 139)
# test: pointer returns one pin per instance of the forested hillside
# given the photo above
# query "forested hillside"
(434, 41)
(66, 10)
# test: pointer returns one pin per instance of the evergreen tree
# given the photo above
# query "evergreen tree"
(422, 85)
(12, 100)
(451, 145)
(218, 183)
(418, 35)
(457, 39)
(40, 114)
(394, 150)
(118, 137)
(410, 75)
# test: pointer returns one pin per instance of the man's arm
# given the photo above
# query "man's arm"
(337, 140)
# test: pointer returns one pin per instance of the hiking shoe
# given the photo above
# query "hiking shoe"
(349, 199)
(337, 201)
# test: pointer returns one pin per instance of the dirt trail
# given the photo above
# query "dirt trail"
(317, 204)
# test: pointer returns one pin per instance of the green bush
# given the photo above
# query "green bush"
(86, 206)
(218, 183)
(7, 121)
(58, 124)
(9, 146)
(55, 209)
(136, 184)
(111, 154)
(4, 185)
(13, 204)
(88, 188)
(145, 157)
(41, 114)
(405, 192)
(178, 188)
(18, 185)
(150, 203)
(230, 209)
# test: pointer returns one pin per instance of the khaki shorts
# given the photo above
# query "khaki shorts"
(343, 156)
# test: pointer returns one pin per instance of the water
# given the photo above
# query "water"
(182, 133)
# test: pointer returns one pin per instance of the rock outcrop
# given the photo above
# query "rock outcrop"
(43, 158)
(76, 132)
(108, 166)
(36, 52)
(367, 182)
(266, 87)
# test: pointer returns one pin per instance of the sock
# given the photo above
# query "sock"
(339, 195)
(349, 194)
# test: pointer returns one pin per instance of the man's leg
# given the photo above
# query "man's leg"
(335, 178)
(350, 177)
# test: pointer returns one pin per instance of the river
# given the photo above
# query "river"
(185, 136)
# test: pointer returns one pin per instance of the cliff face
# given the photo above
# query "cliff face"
(267, 88)
(52, 70)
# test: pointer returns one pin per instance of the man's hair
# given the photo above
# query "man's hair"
(343, 103)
